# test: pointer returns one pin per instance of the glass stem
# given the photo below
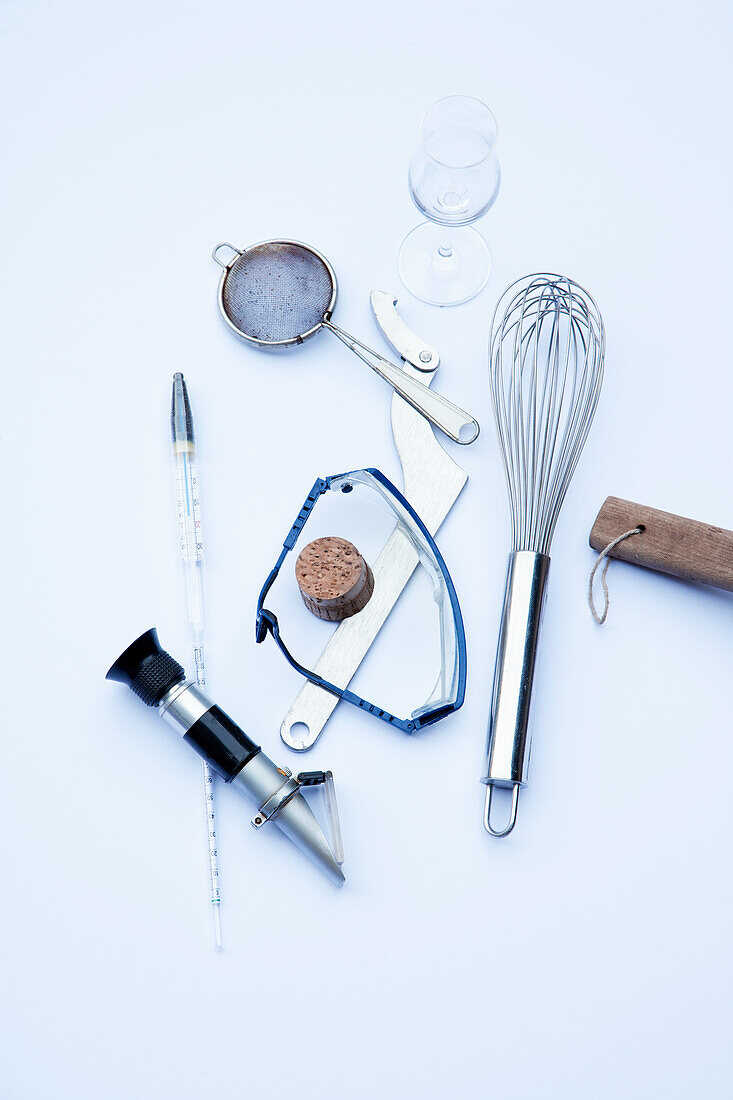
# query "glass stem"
(445, 248)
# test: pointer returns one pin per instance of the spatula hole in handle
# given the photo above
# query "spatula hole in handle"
(298, 735)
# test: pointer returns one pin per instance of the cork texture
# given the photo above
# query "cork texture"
(334, 580)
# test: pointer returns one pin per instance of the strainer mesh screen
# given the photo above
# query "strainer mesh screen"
(277, 291)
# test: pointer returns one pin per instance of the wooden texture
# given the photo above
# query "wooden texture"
(334, 580)
(670, 544)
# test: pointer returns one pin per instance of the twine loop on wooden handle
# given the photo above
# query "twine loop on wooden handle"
(600, 619)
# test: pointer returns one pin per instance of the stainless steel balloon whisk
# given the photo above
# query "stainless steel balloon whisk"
(546, 353)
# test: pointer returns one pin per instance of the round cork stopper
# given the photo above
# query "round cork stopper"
(334, 580)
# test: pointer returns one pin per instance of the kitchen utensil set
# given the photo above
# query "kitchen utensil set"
(546, 361)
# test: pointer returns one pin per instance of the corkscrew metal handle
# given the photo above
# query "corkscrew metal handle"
(509, 740)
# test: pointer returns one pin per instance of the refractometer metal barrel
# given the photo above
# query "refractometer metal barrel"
(509, 739)
(159, 681)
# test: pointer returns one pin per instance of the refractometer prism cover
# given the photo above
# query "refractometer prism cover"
(450, 688)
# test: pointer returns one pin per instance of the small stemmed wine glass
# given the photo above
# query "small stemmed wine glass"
(454, 179)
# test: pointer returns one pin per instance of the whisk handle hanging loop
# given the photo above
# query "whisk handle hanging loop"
(457, 424)
(509, 740)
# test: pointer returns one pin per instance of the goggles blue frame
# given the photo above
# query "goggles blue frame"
(450, 689)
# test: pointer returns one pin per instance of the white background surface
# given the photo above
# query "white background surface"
(588, 955)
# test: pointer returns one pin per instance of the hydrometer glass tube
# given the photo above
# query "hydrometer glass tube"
(191, 547)
(188, 513)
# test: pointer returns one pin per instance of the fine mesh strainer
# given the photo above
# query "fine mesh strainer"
(279, 293)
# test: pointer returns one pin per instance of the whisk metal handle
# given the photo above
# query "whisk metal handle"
(509, 741)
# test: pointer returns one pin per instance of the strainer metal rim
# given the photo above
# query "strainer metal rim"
(273, 345)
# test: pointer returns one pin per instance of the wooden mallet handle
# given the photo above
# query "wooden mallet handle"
(670, 544)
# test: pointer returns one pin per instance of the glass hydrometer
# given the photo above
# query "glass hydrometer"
(191, 547)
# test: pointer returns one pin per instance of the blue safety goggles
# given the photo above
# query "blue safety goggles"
(450, 688)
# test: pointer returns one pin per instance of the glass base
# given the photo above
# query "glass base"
(442, 266)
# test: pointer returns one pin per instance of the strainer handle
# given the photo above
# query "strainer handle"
(225, 244)
(457, 424)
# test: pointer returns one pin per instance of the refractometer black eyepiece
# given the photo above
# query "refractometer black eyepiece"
(147, 669)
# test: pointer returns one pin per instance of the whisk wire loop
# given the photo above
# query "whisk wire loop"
(546, 357)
